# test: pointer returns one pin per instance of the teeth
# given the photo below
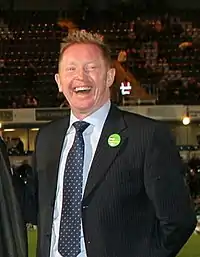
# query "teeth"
(78, 89)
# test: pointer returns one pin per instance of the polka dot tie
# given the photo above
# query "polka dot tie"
(70, 224)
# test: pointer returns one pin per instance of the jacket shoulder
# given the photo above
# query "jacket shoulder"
(135, 118)
(143, 123)
(48, 129)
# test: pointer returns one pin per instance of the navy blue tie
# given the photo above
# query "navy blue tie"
(70, 224)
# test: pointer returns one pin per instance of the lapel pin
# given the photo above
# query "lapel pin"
(114, 140)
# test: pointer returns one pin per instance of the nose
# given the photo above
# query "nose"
(81, 73)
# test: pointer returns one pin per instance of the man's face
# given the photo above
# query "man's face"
(84, 78)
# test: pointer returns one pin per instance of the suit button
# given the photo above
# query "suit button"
(85, 206)
(88, 242)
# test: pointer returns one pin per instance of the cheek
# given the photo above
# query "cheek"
(65, 82)
(98, 79)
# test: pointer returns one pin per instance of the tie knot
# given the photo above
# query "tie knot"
(80, 126)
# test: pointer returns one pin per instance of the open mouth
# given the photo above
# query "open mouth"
(82, 89)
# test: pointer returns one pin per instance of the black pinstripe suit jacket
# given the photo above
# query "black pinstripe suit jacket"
(136, 203)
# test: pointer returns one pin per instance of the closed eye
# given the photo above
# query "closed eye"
(70, 68)
(91, 67)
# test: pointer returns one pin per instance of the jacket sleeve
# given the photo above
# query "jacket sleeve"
(166, 188)
(13, 240)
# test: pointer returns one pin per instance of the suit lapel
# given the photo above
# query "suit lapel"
(105, 154)
(55, 153)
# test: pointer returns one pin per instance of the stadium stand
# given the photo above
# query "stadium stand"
(161, 58)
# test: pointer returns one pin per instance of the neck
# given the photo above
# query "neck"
(82, 115)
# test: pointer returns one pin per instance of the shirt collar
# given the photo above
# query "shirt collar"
(96, 119)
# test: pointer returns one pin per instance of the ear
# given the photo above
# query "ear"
(57, 79)
(110, 77)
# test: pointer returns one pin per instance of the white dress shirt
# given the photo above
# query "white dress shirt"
(91, 138)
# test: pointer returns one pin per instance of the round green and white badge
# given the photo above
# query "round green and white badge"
(114, 140)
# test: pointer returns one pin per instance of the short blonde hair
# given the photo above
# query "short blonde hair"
(84, 37)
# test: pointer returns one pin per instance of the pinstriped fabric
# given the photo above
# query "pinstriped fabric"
(139, 205)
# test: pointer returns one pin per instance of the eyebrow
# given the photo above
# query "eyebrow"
(89, 62)
(71, 63)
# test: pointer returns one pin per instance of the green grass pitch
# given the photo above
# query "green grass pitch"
(191, 249)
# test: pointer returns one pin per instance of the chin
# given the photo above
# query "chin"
(81, 109)
(84, 106)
